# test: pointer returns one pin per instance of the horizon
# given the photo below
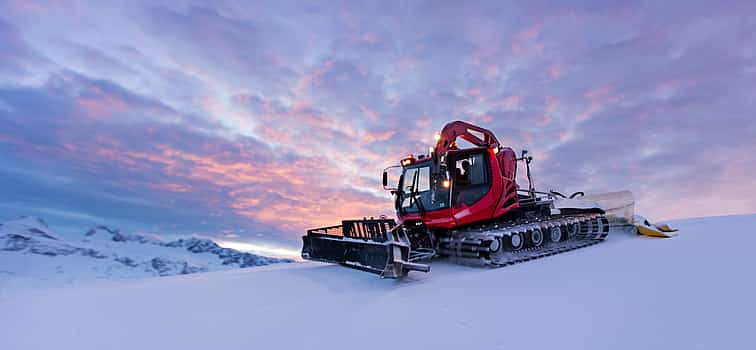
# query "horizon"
(249, 123)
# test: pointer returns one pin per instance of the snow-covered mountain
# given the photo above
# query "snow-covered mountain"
(32, 253)
(694, 291)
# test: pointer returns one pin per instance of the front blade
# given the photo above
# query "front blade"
(364, 255)
(372, 245)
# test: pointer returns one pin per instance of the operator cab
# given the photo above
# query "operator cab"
(454, 186)
(442, 189)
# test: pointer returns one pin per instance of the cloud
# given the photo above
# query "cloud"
(272, 117)
(17, 56)
(169, 162)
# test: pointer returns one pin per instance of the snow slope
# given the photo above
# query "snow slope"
(695, 291)
(33, 256)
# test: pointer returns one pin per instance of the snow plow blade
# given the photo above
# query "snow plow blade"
(618, 206)
(373, 245)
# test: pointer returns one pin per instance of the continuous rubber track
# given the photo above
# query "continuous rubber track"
(493, 244)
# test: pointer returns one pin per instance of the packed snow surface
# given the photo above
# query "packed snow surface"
(695, 291)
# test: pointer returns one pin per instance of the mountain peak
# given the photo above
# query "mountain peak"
(30, 226)
(32, 220)
(101, 228)
(103, 232)
(195, 245)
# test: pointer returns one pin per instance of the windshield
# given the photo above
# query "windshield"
(418, 184)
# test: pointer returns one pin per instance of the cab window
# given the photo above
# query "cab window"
(428, 192)
(471, 178)
(423, 179)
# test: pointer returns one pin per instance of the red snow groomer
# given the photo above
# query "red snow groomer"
(466, 204)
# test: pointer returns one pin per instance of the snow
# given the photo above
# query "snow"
(33, 256)
(694, 291)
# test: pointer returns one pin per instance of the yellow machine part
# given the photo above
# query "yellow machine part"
(665, 228)
(646, 228)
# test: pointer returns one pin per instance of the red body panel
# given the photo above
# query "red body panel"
(483, 209)
(508, 166)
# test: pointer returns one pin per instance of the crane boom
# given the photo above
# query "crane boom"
(471, 133)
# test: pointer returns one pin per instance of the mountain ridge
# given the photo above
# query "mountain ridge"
(30, 249)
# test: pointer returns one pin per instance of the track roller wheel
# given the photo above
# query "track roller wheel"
(517, 240)
(572, 229)
(496, 249)
(555, 234)
(536, 237)
(495, 245)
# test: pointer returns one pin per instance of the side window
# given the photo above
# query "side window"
(423, 179)
(471, 179)
(409, 175)
(471, 170)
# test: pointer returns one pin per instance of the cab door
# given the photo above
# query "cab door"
(471, 185)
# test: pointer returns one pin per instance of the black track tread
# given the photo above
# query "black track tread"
(594, 229)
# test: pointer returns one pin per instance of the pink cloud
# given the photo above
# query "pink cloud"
(369, 113)
(598, 99)
(302, 194)
(556, 71)
(423, 122)
(370, 38)
(98, 103)
(509, 102)
(544, 120)
(71, 7)
(551, 105)
(371, 137)
(525, 42)
(485, 118)
(313, 78)
(173, 187)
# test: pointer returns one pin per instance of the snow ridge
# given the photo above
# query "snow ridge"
(105, 252)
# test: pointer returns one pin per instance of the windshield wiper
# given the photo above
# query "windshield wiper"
(412, 188)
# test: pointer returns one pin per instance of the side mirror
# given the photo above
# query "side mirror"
(385, 178)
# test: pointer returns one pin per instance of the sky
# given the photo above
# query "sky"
(251, 121)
